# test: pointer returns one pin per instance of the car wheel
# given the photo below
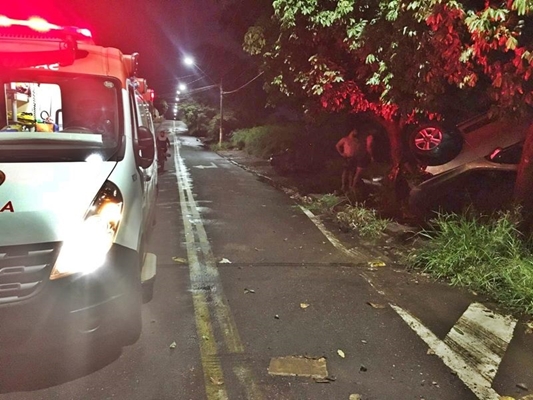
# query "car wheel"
(435, 144)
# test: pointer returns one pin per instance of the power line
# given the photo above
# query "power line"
(243, 86)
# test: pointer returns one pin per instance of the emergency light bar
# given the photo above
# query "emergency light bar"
(34, 42)
(35, 23)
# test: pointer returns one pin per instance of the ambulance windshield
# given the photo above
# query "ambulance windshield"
(45, 117)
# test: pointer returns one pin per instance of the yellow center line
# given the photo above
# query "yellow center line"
(204, 276)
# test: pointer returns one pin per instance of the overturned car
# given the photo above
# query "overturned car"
(473, 162)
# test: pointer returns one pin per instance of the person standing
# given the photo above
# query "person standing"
(356, 149)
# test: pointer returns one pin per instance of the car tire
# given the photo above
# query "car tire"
(435, 144)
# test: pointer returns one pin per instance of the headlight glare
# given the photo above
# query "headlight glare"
(86, 248)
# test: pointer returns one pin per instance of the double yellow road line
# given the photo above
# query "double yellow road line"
(210, 304)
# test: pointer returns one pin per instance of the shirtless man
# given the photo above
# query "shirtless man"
(357, 154)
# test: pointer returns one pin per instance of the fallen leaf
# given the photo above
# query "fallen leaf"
(362, 368)
(179, 260)
(341, 353)
(530, 325)
(304, 305)
(355, 397)
(327, 379)
(173, 345)
(276, 316)
(376, 264)
(522, 386)
(216, 381)
(225, 261)
(246, 291)
(430, 352)
(375, 305)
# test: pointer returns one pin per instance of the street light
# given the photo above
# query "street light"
(182, 87)
(189, 61)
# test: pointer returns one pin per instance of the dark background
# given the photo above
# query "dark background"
(163, 32)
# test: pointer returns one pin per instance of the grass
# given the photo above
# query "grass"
(263, 141)
(364, 220)
(487, 255)
(324, 204)
(356, 217)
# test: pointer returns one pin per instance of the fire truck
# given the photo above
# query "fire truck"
(78, 187)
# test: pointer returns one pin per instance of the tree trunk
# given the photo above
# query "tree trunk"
(396, 188)
(524, 182)
(394, 132)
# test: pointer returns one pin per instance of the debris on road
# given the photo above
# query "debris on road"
(327, 379)
(173, 345)
(216, 381)
(276, 316)
(246, 291)
(304, 305)
(179, 260)
(224, 261)
(522, 386)
(315, 368)
(355, 397)
(376, 305)
(341, 353)
(376, 264)
(362, 368)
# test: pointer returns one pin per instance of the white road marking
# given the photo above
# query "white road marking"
(481, 337)
(360, 257)
(474, 380)
(212, 165)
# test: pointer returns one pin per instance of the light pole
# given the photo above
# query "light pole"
(190, 62)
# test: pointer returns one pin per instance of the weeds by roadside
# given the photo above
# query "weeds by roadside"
(355, 217)
(361, 219)
(487, 255)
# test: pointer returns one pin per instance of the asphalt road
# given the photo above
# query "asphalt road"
(249, 292)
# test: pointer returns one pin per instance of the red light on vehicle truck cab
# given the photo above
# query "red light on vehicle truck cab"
(5, 21)
(36, 23)
(40, 25)
(85, 32)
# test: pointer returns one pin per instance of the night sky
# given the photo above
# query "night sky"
(162, 31)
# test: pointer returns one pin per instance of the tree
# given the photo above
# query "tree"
(397, 59)
(197, 116)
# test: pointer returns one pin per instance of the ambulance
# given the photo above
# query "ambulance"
(78, 187)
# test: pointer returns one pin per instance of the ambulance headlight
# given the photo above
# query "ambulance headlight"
(85, 250)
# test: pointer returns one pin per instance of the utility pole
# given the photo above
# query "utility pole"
(221, 129)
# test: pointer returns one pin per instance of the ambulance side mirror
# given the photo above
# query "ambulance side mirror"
(145, 153)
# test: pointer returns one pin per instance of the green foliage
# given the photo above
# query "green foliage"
(197, 116)
(365, 221)
(263, 141)
(322, 205)
(254, 40)
(486, 255)
(395, 57)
